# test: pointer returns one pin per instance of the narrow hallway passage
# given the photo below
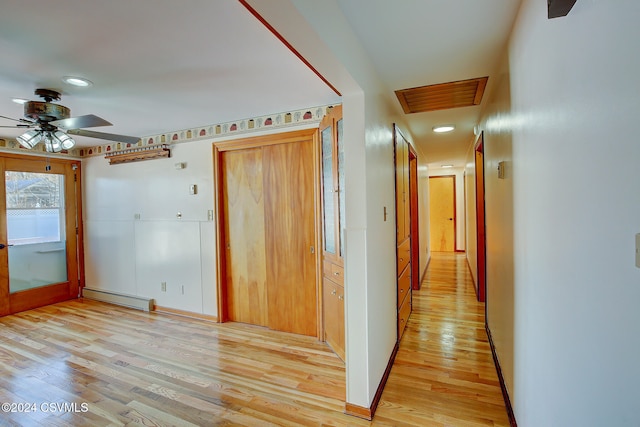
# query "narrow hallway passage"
(444, 373)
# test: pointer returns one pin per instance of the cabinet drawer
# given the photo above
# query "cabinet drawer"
(403, 315)
(404, 284)
(336, 273)
(404, 254)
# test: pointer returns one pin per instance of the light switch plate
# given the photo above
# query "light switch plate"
(638, 250)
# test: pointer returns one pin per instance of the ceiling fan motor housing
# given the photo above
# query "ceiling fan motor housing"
(45, 111)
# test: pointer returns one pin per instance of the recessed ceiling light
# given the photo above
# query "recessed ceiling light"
(443, 129)
(76, 81)
(447, 166)
(19, 100)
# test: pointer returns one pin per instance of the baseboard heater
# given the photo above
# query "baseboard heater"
(145, 304)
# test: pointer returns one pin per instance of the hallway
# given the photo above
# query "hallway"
(444, 373)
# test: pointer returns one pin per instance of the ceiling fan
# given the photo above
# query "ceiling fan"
(52, 124)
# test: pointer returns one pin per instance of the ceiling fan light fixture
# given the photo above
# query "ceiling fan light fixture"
(77, 81)
(66, 142)
(30, 138)
(443, 129)
(56, 141)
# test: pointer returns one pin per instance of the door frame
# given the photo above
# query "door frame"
(57, 292)
(481, 250)
(414, 223)
(218, 176)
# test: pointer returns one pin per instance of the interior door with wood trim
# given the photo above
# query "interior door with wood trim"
(442, 217)
(39, 232)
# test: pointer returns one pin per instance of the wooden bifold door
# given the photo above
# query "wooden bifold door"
(267, 231)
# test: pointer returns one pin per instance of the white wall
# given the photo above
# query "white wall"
(133, 256)
(319, 31)
(460, 203)
(568, 131)
(499, 223)
(423, 214)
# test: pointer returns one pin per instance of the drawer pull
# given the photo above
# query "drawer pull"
(337, 273)
(340, 297)
(333, 292)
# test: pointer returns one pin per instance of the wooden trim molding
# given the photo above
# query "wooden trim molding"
(190, 314)
(288, 45)
(503, 386)
(368, 413)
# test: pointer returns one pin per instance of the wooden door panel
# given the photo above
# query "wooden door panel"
(442, 213)
(290, 236)
(245, 236)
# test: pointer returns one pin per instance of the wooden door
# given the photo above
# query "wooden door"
(442, 213)
(246, 271)
(40, 232)
(268, 231)
(290, 237)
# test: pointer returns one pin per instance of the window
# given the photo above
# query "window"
(35, 207)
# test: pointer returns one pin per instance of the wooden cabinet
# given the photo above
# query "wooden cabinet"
(332, 190)
(403, 228)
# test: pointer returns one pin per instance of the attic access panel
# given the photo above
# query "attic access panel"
(463, 93)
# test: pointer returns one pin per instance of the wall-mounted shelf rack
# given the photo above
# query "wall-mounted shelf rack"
(138, 154)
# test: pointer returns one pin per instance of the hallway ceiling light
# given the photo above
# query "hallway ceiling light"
(21, 101)
(446, 166)
(443, 129)
(77, 81)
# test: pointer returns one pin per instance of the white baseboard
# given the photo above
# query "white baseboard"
(145, 304)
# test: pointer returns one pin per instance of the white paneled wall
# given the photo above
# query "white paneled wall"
(143, 228)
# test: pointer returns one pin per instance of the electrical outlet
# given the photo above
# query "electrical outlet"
(163, 286)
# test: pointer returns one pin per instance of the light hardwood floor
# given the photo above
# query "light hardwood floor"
(123, 367)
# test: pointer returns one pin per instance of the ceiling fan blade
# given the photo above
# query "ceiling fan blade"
(102, 135)
(27, 122)
(88, 121)
(21, 126)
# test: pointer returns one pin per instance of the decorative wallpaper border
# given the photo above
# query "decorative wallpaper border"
(13, 145)
(273, 121)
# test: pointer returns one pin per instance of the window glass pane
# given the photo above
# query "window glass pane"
(35, 229)
(35, 206)
(327, 191)
(341, 192)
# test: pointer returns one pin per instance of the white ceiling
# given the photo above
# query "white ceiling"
(162, 65)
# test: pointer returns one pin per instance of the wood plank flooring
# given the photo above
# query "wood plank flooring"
(84, 363)
(444, 374)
